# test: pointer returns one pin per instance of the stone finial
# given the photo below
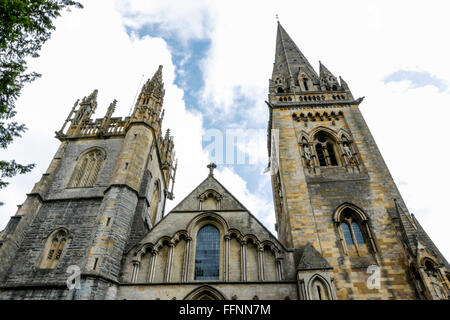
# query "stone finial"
(155, 85)
(87, 107)
(92, 98)
(211, 168)
(111, 109)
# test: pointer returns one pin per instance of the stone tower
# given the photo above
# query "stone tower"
(333, 191)
(104, 190)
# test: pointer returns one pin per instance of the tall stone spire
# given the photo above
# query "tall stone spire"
(291, 71)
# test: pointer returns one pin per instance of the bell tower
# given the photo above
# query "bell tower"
(104, 190)
(333, 194)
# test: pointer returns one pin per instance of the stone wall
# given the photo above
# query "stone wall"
(239, 291)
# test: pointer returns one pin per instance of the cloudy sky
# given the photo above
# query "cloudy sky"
(218, 57)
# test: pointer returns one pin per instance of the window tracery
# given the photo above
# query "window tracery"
(87, 168)
(53, 249)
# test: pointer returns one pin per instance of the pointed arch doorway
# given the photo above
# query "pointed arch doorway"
(205, 293)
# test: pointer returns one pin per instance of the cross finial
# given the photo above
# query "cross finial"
(211, 168)
(276, 17)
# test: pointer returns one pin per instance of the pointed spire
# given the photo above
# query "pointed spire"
(87, 107)
(92, 98)
(327, 80)
(150, 101)
(111, 109)
(155, 85)
(344, 84)
(290, 62)
(324, 72)
(345, 87)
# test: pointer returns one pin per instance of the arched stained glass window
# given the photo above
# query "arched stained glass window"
(207, 253)
(355, 230)
(358, 234)
(347, 234)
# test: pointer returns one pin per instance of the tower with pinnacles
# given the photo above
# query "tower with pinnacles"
(94, 227)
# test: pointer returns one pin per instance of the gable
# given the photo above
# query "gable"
(213, 195)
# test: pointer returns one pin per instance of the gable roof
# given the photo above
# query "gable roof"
(413, 233)
(236, 215)
(228, 201)
(308, 258)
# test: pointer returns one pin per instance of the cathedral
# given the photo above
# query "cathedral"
(94, 227)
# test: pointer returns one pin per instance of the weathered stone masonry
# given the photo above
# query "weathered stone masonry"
(100, 207)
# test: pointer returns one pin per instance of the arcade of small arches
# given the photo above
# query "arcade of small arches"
(207, 251)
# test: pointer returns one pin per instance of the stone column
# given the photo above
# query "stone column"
(227, 257)
(186, 259)
(261, 263)
(152, 266)
(135, 271)
(244, 261)
(279, 270)
(169, 262)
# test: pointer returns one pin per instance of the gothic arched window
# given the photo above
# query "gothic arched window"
(207, 255)
(87, 169)
(53, 249)
(354, 231)
(156, 198)
(325, 146)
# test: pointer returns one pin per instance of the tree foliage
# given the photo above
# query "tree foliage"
(25, 25)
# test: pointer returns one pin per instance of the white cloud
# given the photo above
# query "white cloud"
(184, 19)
